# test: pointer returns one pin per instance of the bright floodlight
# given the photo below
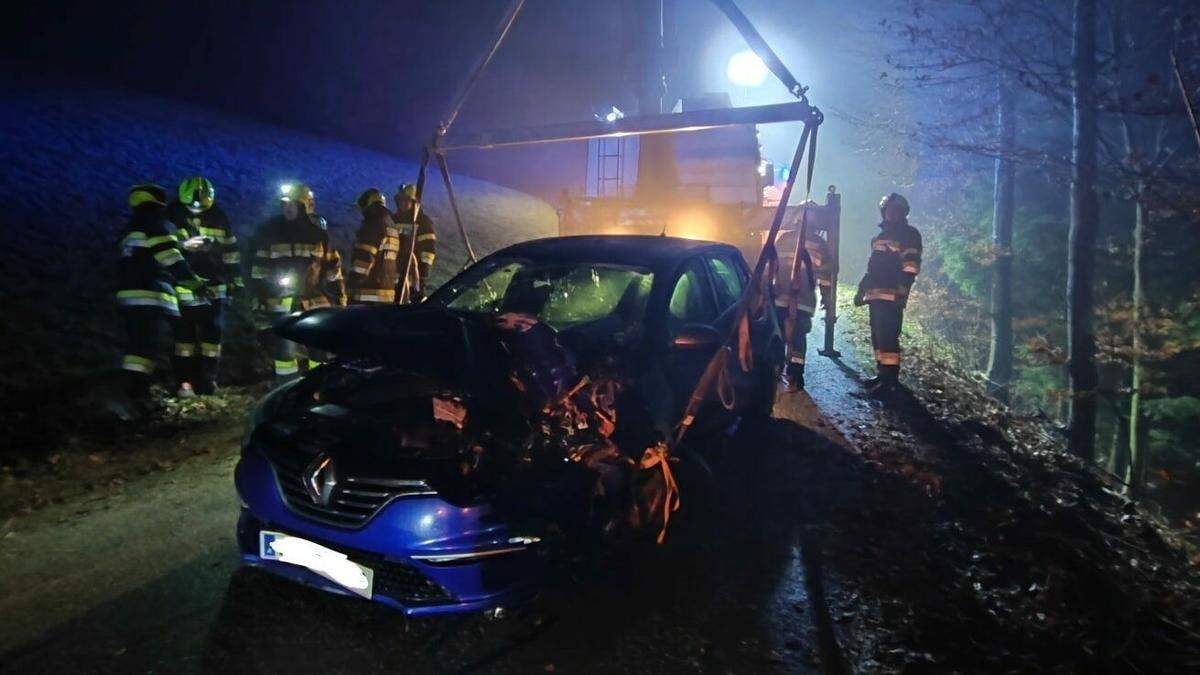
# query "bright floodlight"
(745, 69)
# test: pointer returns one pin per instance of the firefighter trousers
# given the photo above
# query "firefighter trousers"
(887, 318)
(798, 349)
(290, 358)
(147, 334)
(198, 346)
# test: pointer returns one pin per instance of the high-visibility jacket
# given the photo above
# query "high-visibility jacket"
(295, 268)
(151, 263)
(894, 264)
(210, 248)
(375, 260)
(792, 277)
(424, 249)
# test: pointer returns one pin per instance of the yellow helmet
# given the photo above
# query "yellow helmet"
(406, 191)
(197, 194)
(300, 193)
(147, 193)
(370, 196)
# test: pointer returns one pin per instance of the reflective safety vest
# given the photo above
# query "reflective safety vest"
(894, 264)
(151, 263)
(295, 268)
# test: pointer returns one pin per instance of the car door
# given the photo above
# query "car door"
(691, 308)
(730, 278)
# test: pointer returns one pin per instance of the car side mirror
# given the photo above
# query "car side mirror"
(696, 336)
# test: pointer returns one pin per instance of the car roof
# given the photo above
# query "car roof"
(659, 254)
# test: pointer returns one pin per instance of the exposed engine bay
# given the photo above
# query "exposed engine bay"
(556, 439)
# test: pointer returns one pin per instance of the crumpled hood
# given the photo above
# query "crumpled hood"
(426, 339)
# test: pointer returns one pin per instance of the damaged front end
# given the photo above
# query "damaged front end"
(450, 451)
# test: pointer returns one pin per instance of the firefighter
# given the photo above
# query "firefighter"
(295, 268)
(893, 267)
(151, 268)
(375, 258)
(424, 248)
(796, 278)
(211, 250)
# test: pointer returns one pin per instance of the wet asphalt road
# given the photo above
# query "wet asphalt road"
(148, 581)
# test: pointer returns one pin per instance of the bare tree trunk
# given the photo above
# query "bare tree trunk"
(1137, 421)
(1000, 356)
(1081, 263)
(1118, 458)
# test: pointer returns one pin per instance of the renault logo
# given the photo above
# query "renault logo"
(320, 480)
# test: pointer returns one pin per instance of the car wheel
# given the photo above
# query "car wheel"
(765, 390)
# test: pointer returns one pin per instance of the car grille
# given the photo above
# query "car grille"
(354, 500)
(401, 581)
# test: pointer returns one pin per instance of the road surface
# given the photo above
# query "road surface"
(148, 580)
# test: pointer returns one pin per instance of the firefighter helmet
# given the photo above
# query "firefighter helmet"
(300, 193)
(147, 193)
(370, 196)
(406, 191)
(197, 194)
(898, 199)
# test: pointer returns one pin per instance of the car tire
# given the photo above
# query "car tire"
(766, 388)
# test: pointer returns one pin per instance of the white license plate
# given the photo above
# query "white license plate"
(324, 561)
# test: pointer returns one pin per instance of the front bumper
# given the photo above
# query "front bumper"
(429, 556)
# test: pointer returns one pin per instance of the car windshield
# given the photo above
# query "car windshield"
(560, 295)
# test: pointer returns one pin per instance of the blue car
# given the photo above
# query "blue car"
(407, 470)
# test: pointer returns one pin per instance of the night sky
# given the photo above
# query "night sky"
(381, 73)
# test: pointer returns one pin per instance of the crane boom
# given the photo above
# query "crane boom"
(692, 120)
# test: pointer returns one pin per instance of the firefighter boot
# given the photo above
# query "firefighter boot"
(872, 382)
(889, 382)
(184, 365)
(206, 375)
(795, 376)
(136, 385)
(880, 386)
(132, 396)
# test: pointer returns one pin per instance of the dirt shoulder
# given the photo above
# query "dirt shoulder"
(91, 463)
(975, 543)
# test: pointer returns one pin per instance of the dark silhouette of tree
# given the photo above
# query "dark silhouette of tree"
(1103, 118)
(1081, 257)
(1000, 354)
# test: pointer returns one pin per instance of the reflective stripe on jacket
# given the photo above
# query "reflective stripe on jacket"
(209, 245)
(894, 264)
(294, 261)
(151, 263)
(375, 261)
(424, 248)
(789, 275)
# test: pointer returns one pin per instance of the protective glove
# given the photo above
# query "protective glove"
(860, 297)
(195, 283)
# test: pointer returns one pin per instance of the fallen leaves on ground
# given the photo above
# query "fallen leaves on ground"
(104, 459)
(990, 548)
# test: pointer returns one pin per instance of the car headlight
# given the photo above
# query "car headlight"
(267, 408)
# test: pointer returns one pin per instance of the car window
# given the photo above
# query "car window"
(691, 300)
(728, 280)
(486, 294)
(561, 295)
(592, 292)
